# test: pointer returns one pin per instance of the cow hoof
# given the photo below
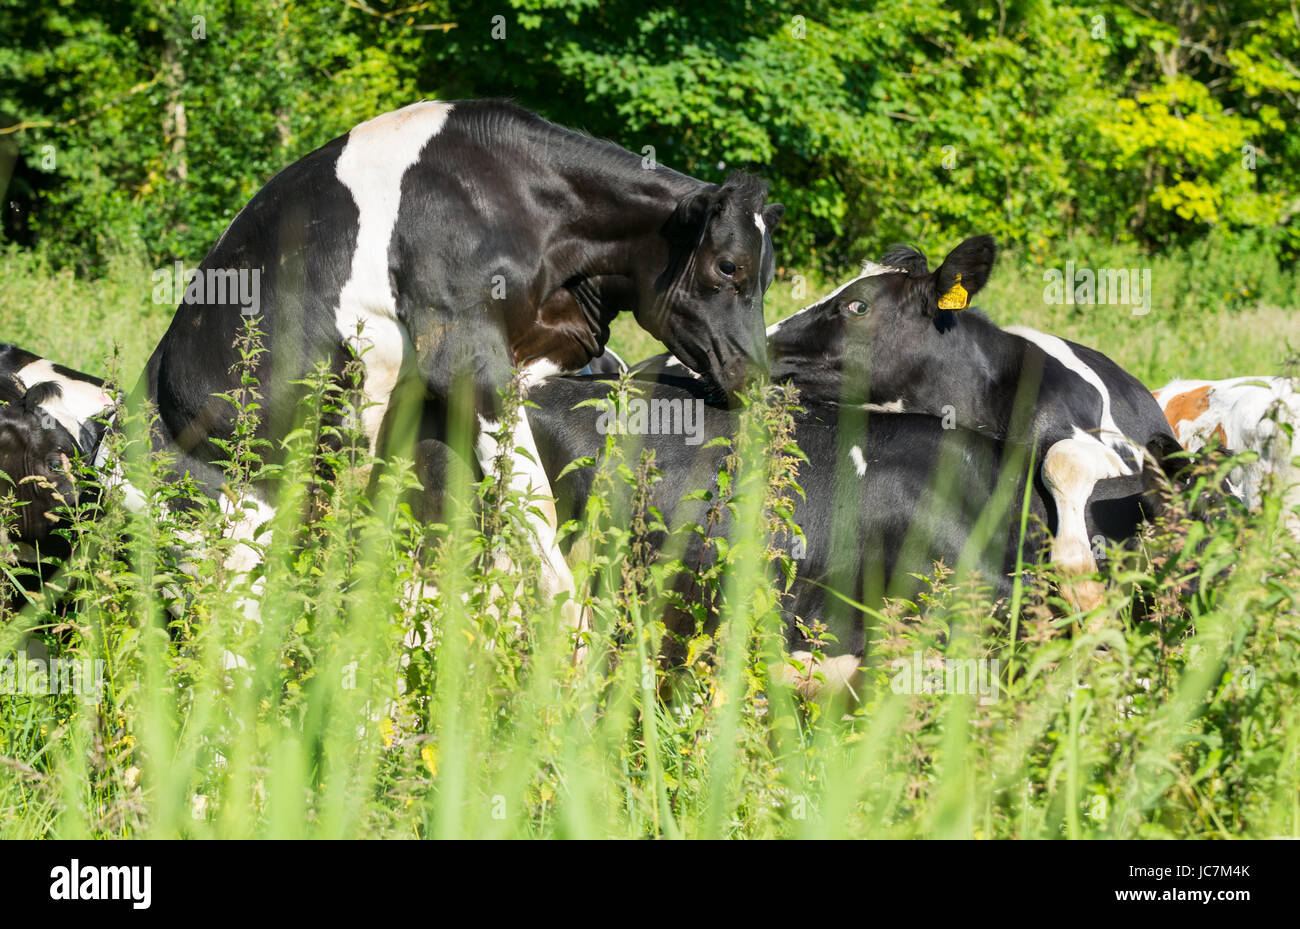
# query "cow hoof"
(1083, 595)
(840, 673)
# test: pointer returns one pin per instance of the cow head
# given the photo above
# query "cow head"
(870, 340)
(707, 307)
(37, 455)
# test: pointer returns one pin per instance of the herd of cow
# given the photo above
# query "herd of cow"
(454, 246)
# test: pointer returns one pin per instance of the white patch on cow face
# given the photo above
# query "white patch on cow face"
(762, 243)
(371, 166)
(77, 402)
(859, 462)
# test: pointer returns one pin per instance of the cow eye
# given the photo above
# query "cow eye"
(727, 267)
(54, 462)
(856, 307)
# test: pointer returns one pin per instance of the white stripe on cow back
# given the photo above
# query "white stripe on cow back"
(892, 406)
(869, 269)
(1059, 349)
(1071, 469)
(375, 158)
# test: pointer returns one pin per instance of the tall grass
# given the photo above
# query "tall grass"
(406, 680)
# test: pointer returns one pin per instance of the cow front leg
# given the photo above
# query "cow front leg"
(1071, 469)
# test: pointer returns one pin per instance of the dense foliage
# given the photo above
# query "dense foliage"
(148, 124)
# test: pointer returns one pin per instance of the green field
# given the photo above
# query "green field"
(361, 713)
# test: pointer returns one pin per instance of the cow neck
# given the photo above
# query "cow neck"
(620, 223)
(623, 218)
(976, 374)
(609, 195)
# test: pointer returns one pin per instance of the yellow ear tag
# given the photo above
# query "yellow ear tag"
(956, 298)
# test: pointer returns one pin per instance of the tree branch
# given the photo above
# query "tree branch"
(53, 124)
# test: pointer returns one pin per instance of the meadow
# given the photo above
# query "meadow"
(400, 685)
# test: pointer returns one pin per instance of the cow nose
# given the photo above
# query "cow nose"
(739, 371)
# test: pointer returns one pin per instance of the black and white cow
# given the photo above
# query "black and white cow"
(72, 398)
(899, 338)
(448, 245)
(50, 416)
(886, 496)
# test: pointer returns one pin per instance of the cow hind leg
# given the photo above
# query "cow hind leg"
(528, 480)
(1071, 469)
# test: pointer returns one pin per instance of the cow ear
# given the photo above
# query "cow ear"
(964, 273)
(39, 393)
(695, 207)
(772, 214)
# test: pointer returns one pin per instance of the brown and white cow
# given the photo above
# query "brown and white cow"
(1242, 414)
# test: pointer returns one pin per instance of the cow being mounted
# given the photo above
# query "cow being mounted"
(900, 338)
